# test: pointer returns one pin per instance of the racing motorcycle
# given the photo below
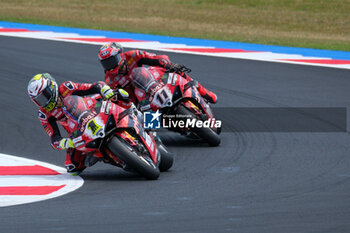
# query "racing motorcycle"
(115, 135)
(173, 95)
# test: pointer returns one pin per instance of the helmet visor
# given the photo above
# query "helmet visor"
(111, 62)
(44, 98)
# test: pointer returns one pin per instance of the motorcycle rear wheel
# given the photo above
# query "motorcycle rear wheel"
(140, 164)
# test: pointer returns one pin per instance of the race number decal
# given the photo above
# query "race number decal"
(93, 127)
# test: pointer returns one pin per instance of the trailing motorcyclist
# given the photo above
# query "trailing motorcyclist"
(48, 96)
(118, 66)
(184, 109)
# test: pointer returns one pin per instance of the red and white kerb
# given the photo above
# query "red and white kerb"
(25, 181)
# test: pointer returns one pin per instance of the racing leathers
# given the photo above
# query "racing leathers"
(138, 58)
(75, 159)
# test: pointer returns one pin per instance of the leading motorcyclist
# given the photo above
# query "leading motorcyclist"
(118, 66)
(48, 96)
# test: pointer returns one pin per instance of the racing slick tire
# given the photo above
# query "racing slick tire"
(141, 164)
(206, 134)
(166, 158)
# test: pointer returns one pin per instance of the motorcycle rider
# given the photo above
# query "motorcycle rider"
(48, 96)
(118, 66)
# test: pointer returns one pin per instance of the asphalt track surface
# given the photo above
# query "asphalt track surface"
(253, 182)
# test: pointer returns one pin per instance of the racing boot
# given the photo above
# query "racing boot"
(206, 94)
(74, 162)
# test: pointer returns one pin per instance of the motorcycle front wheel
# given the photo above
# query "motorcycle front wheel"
(166, 158)
(142, 164)
(206, 134)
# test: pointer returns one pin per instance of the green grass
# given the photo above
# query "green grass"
(323, 24)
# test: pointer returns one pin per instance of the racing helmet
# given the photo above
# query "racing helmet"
(111, 58)
(43, 90)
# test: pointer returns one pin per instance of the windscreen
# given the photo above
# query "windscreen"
(76, 107)
(142, 78)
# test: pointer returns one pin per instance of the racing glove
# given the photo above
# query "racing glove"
(107, 92)
(174, 68)
(123, 98)
(123, 95)
(66, 143)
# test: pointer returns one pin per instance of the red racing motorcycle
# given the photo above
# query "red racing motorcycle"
(115, 135)
(183, 108)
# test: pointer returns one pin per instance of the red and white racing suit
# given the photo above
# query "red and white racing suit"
(138, 58)
(74, 158)
(134, 58)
